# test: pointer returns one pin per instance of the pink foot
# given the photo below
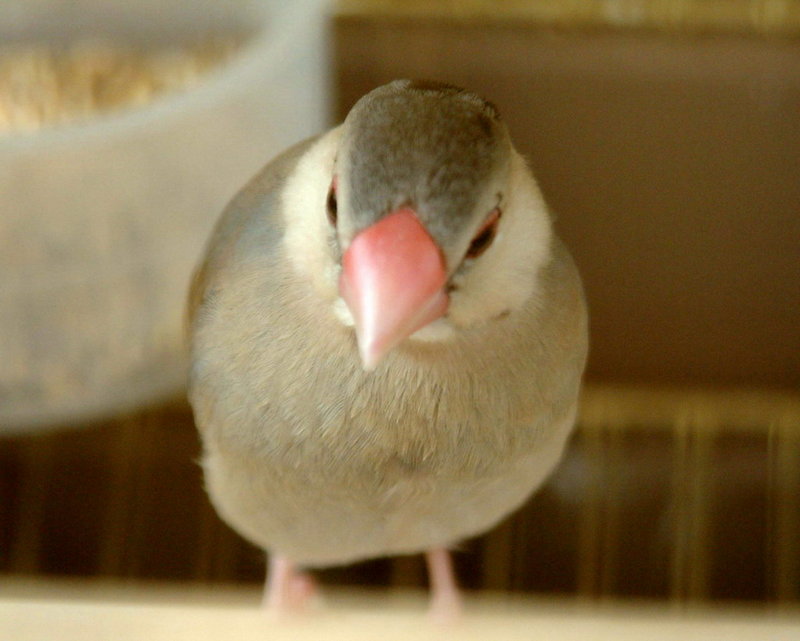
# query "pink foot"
(445, 604)
(287, 591)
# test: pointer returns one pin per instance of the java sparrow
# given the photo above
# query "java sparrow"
(387, 341)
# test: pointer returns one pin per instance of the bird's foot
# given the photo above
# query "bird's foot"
(445, 604)
(288, 591)
(445, 611)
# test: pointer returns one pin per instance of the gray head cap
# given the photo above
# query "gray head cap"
(427, 145)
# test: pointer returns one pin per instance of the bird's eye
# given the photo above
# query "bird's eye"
(485, 236)
(331, 204)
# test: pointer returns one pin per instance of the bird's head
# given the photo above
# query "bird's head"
(425, 209)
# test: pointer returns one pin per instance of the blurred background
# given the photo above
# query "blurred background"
(666, 137)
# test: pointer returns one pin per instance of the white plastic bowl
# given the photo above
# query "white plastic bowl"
(101, 223)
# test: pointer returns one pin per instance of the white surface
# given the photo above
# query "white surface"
(102, 223)
(155, 614)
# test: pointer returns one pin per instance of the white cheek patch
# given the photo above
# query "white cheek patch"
(504, 277)
(343, 312)
(439, 330)
(303, 208)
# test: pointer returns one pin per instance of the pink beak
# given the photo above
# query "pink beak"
(393, 276)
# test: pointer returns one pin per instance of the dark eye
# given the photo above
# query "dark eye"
(483, 239)
(331, 204)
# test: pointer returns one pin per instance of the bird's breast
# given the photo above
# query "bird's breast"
(277, 376)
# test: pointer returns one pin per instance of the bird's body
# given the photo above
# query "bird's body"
(316, 458)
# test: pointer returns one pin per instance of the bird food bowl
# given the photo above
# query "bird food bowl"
(103, 217)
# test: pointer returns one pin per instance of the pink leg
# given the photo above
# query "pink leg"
(445, 605)
(287, 591)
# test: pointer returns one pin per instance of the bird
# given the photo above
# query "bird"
(387, 342)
